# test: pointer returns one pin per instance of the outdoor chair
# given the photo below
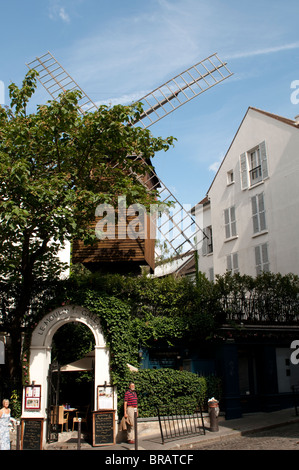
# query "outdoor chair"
(83, 414)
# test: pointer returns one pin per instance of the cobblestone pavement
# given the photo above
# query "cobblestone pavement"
(279, 438)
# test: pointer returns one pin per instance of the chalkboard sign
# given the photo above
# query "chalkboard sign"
(32, 433)
(103, 428)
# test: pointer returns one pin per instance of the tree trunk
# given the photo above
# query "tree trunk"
(14, 355)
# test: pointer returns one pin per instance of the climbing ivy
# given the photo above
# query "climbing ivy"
(133, 312)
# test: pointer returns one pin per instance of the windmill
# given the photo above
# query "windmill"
(177, 227)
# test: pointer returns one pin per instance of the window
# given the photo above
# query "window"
(207, 246)
(261, 259)
(230, 177)
(230, 222)
(258, 213)
(253, 166)
(232, 263)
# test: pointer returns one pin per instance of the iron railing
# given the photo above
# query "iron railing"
(261, 309)
(179, 423)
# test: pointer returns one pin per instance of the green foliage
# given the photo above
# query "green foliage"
(16, 404)
(56, 167)
(273, 285)
(137, 311)
(172, 388)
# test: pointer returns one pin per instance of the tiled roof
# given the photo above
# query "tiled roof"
(290, 122)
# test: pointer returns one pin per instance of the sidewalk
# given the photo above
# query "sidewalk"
(249, 423)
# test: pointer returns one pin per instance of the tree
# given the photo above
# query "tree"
(56, 166)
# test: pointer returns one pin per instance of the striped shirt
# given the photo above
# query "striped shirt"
(131, 398)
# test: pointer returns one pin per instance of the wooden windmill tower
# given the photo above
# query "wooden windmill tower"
(177, 227)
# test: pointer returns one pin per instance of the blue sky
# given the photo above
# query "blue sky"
(119, 50)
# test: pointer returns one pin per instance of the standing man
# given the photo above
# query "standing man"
(130, 406)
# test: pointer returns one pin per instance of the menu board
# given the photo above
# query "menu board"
(105, 397)
(103, 428)
(32, 433)
(32, 397)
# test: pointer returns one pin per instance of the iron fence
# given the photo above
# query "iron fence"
(179, 423)
(261, 309)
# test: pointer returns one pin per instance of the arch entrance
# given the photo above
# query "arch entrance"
(40, 353)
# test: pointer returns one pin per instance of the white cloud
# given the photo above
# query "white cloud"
(214, 167)
(267, 50)
(57, 11)
(138, 52)
(63, 15)
(117, 59)
(123, 99)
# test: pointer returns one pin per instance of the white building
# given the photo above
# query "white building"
(251, 210)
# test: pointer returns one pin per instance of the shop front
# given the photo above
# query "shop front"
(40, 402)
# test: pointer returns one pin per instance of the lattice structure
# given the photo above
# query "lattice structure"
(176, 225)
(56, 80)
(182, 88)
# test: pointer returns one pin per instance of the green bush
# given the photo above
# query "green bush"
(168, 387)
(15, 404)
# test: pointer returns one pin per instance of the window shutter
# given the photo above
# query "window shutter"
(229, 263)
(235, 262)
(244, 171)
(255, 218)
(205, 244)
(233, 221)
(264, 160)
(258, 260)
(226, 222)
(265, 253)
(262, 211)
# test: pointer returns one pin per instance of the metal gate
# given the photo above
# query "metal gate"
(53, 402)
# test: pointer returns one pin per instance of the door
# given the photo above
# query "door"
(53, 402)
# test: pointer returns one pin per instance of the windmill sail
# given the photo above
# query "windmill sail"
(55, 79)
(182, 88)
(176, 225)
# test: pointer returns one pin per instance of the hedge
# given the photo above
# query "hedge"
(174, 388)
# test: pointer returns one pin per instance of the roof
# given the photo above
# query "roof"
(290, 122)
(284, 120)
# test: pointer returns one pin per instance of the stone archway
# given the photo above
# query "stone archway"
(41, 344)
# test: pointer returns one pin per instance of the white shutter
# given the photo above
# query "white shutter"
(255, 218)
(264, 160)
(233, 221)
(244, 171)
(258, 259)
(262, 213)
(205, 244)
(265, 257)
(235, 262)
(227, 223)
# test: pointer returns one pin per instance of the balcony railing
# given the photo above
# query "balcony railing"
(255, 175)
(261, 309)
